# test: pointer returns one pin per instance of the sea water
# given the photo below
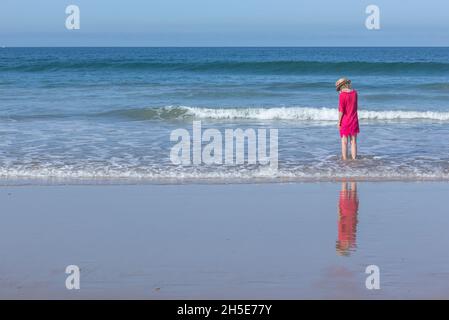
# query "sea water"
(105, 115)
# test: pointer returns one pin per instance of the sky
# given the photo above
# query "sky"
(224, 23)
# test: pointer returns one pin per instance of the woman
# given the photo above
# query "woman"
(348, 121)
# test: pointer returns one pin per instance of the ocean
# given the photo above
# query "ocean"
(105, 115)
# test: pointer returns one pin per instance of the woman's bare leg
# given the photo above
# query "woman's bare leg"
(354, 147)
(354, 186)
(344, 148)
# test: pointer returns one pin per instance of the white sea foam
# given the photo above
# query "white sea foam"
(49, 175)
(304, 113)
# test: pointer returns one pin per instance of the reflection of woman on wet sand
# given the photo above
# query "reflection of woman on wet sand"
(348, 207)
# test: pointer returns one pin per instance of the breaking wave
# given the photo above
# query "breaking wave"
(277, 113)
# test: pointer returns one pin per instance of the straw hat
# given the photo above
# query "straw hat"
(341, 82)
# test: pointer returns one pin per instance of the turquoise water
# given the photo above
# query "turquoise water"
(106, 114)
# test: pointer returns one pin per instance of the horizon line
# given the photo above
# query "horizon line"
(212, 46)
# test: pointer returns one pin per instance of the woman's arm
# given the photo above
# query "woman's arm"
(341, 109)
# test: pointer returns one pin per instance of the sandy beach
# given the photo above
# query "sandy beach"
(299, 240)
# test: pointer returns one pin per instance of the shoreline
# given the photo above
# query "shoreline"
(5, 183)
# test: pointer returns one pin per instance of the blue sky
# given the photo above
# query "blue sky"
(224, 23)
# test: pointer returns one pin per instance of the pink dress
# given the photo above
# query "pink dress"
(350, 119)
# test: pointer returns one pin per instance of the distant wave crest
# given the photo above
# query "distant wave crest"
(263, 67)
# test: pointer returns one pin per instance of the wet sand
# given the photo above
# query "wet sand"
(279, 241)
